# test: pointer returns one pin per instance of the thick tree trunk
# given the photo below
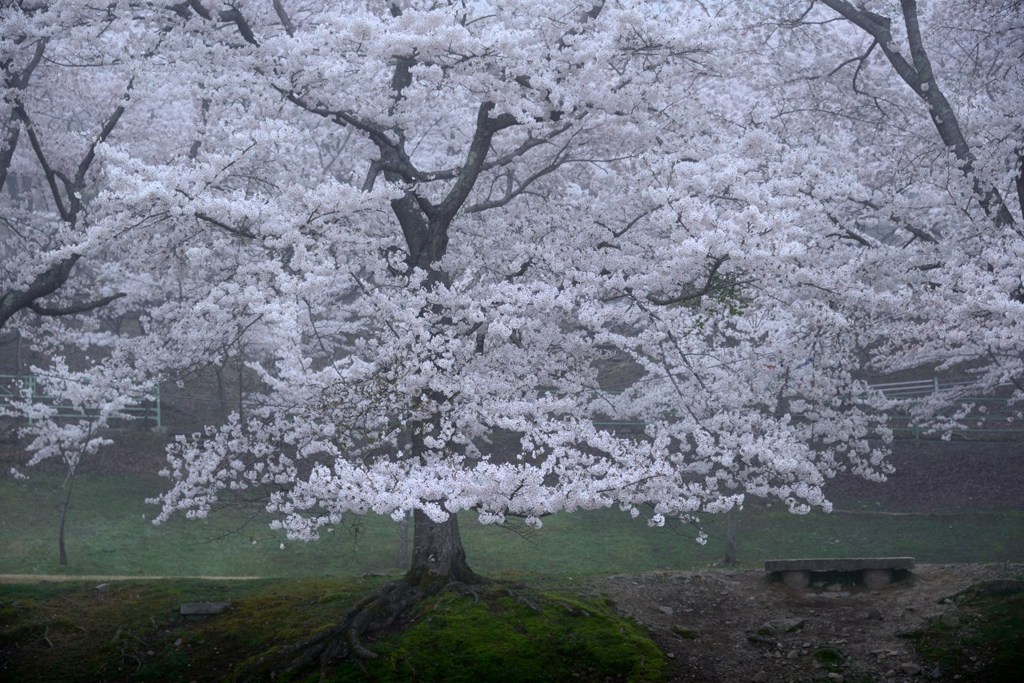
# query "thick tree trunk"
(438, 558)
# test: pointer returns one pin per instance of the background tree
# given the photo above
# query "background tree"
(47, 162)
(918, 103)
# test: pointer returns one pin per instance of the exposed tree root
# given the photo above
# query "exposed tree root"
(373, 614)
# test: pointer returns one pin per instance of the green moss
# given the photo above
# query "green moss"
(829, 658)
(984, 643)
(499, 637)
(134, 631)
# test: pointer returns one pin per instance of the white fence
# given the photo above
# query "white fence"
(918, 388)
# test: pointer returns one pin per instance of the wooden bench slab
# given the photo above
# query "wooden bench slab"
(875, 572)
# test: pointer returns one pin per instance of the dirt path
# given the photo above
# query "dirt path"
(65, 578)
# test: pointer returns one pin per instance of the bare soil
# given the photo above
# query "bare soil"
(722, 625)
(725, 625)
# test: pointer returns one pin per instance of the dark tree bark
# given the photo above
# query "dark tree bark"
(438, 557)
(918, 74)
(65, 188)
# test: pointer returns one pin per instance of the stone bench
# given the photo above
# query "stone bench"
(874, 572)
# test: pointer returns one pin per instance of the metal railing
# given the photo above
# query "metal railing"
(994, 420)
(18, 387)
(918, 388)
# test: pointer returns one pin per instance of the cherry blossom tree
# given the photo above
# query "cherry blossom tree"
(521, 196)
(68, 415)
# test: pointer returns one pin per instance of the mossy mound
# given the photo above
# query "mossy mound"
(501, 636)
(133, 631)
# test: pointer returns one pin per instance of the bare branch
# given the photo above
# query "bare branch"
(48, 172)
(879, 28)
(44, 284)
(486, 128)
(920, 77)
(559, 161)
(234, 16)
(73, 309)
(1019, 180)
(17, 81)
(709, 285)
(282, 15)
(616, 234)
(198, 8)
(237, 232)
(7, 153)
(90, 155)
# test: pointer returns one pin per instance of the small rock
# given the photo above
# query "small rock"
(201, 609)
(103, 587)
(178, 642)
(789, 625)
(685, 633)
(837, 677)
(767, 632)
(889, 674)
(759, 677)
(792, 654)
(873, 615)
(910, 668)
(665, 609)
(997, 587)
(671, 655)
(950, 620)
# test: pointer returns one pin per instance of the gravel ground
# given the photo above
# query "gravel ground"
(723, 625)
(735, 626)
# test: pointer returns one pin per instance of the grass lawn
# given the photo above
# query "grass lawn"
(132, 630)
(109, 532)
